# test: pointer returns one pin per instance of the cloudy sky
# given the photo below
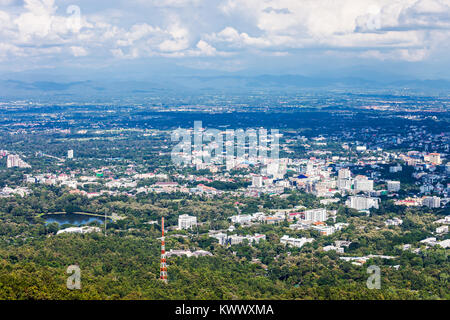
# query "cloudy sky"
(408, 37)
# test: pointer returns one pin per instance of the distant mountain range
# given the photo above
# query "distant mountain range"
(200, 84)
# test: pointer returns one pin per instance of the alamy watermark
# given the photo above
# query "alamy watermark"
(74, 20)
(374, 281)
(230, 147)
(74, 280)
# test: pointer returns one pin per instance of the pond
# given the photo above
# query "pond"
(71, 218)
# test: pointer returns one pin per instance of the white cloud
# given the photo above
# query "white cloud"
(78, 51)
(7, 50)
(380, 29)
(5, 21)
(6, 2)
(174, 3)
(206, 49)
(37, 21)
(137, 32)
(411, 55)
(179, 39)
(339, 24)
(232, 36)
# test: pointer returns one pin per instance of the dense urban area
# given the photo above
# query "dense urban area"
(360, 181)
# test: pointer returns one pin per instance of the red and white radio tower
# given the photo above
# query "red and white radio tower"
(163, 267)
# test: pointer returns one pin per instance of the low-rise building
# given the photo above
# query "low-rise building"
(295, 242)
(185, 221)
(442, 229)
(85, 229)
(393, 186)
(333, 248)
(393, 222)
(241, 219)
(324, 230)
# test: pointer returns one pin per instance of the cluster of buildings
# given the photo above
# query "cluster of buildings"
(188, 253)
(426, 201)
(359, 261)
(258, 217)
(309, 219)
(443, 228)
(324, 176)
(322, 228)
(8, 192)
(339, 246)
(432, 241)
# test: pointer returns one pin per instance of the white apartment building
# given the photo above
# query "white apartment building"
(14, 160)
(85, 229)
(324, 230)
(344, 184)
(70, 154)
(333, 248)
(393, 222)
(241, 219)
(362, 203)
(361, 148)
(185, 221)
(222, 237)
(237, 239)
(295, 242)
(362, 183)
(316, 215)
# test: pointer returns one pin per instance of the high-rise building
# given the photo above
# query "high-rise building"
(316, 215)
(362, 183)
(362, 203)
(14, 160)
(432, 202)
(185, 221)
(70, 154)
(344, 184)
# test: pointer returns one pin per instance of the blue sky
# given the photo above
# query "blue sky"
(310, 37)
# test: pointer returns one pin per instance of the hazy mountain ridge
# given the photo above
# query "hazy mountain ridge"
(198, 84)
